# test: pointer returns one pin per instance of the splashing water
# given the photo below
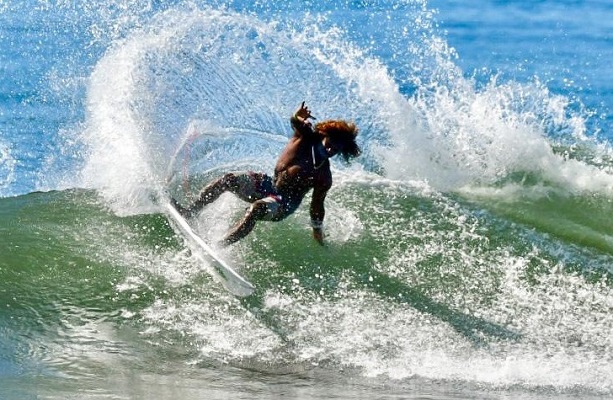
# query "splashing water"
(441, 254)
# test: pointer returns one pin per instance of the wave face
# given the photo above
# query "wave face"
(470, 245)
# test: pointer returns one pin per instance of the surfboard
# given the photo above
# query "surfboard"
(221, 269)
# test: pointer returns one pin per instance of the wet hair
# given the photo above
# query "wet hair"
(342, 132)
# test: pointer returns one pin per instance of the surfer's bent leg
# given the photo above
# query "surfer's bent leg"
(257, 211)
(245, 185)
(269, 209)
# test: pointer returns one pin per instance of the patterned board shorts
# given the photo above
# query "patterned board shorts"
(256, 186)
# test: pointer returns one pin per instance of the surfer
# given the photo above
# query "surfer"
(303, 165)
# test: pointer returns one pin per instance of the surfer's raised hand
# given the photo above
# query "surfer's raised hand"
(303, 113)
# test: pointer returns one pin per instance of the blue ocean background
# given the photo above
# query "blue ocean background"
(469, 250)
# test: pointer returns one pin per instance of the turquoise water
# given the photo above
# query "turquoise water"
(468, 253)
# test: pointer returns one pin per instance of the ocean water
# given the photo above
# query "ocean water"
(469, 250)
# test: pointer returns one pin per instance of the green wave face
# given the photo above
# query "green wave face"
(408, 277)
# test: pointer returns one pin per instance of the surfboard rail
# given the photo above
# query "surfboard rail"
(223, 271)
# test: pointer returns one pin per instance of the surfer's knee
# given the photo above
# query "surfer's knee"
(229, 181)
(268, 209)
(214, 189)
(258, 209)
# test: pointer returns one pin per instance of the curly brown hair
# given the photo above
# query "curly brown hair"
(342, 132)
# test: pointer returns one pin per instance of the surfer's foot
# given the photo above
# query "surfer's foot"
(185, 212)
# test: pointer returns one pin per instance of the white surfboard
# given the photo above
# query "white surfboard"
(231, 280)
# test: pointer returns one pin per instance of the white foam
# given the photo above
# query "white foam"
(7, 167)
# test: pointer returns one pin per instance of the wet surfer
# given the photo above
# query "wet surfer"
(303, 165)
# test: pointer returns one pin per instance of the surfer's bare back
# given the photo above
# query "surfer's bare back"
(303, 165)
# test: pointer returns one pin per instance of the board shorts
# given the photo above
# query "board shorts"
(256, 186)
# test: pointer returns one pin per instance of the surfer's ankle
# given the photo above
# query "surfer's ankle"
(185, 212)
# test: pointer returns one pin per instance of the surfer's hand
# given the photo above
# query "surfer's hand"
(318, 235)
(303, 113)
